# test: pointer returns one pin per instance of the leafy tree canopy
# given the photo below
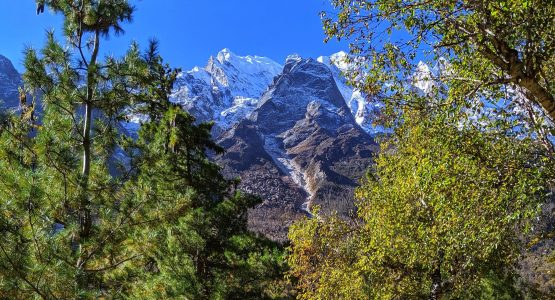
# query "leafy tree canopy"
(440, 213)
(489, 50)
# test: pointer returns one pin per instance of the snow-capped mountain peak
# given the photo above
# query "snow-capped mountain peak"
(224, 55)
(248, 64)
(293, 58)
(230, 87)
(425, 78)
(227, 89)
(340, 60)
(342, 67)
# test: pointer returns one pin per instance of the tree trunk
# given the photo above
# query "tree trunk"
(85, 218)
(85, 212)
(540, 95)
(508, 60)
(436, 290)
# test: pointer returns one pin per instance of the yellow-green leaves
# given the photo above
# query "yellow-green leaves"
(440, 197)
(499, 49)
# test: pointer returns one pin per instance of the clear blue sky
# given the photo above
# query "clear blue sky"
(190, 30)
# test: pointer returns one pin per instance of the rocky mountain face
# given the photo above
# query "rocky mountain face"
(363, 110)
(296, 145)
(10, 80)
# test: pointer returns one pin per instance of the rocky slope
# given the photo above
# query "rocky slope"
(363, 110)
(300, 147)
(10, 80)
(297, 135)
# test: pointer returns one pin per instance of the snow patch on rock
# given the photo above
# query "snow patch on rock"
(362, 109)
(274, 147)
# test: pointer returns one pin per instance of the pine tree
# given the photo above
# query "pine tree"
(196, 243)
(89, 211)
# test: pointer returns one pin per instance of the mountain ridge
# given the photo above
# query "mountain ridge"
(10, 81)
(301, 146)
(229, 88)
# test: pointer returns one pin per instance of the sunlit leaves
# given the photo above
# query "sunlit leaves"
(484, 43)
(440, 196)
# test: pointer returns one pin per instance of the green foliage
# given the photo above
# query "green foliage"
(492, 50)
(196, 242)
(89, 212)
(490, 109)
(440, 213)
(322, 258)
